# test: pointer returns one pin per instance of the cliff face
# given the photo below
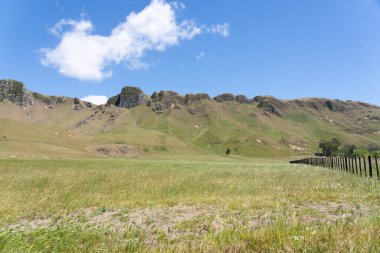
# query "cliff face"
(163, 101)
(226, 97)
(14, 92)
(160, 102)
(128, 97)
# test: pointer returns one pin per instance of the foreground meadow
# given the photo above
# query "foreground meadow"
(184, 205)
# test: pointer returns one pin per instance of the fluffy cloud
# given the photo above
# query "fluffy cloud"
(87, 56)
(95, 99)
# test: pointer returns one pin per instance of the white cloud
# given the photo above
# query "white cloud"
(95, 99)
(178, 5)
(87, 56)
(200, 55)
(223, 29)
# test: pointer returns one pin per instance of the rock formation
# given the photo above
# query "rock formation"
(190, 98)
(224, 97)
(128, 97)
(241, 99)
(14, 92)
(165, 100)
(271, 105)
(50, 100)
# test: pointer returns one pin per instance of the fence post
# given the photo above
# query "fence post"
(356, 165)
(349, 164)
(360, 166)
(370, 166)
(340, 163)
(377, 169)
(365, 166)
(346, 165)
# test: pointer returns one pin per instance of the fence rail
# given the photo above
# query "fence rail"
(359, 165)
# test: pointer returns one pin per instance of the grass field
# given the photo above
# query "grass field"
(196, 204)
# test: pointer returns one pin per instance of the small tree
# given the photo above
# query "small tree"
(329, 147)
(348, 149)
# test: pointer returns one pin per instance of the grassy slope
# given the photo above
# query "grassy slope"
(218, 126)
(213, 127)
(246, 205)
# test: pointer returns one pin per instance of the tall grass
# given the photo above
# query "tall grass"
(233, 191)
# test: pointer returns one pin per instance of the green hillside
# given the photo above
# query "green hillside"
(167, 124)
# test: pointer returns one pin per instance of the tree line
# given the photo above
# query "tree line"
(334, 147)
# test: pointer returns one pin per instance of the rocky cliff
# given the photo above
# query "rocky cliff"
(128, 97)
(163, 101)
(16, 93)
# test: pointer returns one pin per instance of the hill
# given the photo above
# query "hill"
(165, 123)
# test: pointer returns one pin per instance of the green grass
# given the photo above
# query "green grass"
(298, 117)
(193, 204)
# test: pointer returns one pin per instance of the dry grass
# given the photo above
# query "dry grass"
(220, 204)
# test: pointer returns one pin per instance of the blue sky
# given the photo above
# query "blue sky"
(288, 49)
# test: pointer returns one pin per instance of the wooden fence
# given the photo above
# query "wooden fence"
(359, 165)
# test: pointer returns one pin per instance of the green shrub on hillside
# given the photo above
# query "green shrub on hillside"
(360, 152)
(161, 148)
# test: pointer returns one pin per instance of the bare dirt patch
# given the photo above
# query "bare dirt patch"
(115, 150)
